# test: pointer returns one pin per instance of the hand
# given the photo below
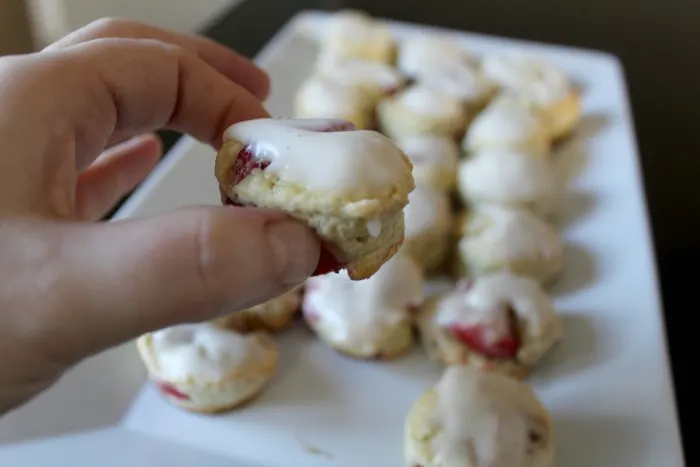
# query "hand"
(70, 287)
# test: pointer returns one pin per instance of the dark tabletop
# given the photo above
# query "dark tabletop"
(656, 41)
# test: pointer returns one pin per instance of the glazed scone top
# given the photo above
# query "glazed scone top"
(203, 352)
(356, 26)
(508, 121)
(420, 54)
(428, 210)
(367, 74)
(431, 102)
(461, 80)
(487, 302)
(304, 151)
(428, 151)
(488, 420)
(530, 76)
(329, 98)
(357, 312)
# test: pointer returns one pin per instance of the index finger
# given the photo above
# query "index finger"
(226, 61)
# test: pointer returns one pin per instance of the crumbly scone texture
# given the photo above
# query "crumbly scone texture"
(563, 116)
(271, 316)
(236, 389)
(398, 121)
(342, 222)
(429, 249)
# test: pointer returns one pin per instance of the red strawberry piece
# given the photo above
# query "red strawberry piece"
(327, 263)
(476, 338)
(172, 391)
(245, 164)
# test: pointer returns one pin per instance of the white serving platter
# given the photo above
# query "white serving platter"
(608, 386)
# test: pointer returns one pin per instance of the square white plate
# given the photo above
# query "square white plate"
(607, 386)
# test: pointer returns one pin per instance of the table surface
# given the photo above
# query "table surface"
(651, 38)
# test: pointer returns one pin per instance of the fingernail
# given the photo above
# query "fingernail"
(296, 250)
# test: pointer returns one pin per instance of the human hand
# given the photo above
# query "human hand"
(70, 287)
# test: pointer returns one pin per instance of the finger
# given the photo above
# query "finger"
(227, 62)
(117, 280)
(115, 173)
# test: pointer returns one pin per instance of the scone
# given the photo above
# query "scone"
(376, 79)
(434, 158)
(203, 368)
(420, 54)
(421, 111)
(463, 81)
(349, 186)
(497, 322)
(271, 316)
(321, 97)
(355, 34)
(370, 319)
(511, 178)
(499, 239)
(428, 220)
(508, 122)
(476, 419)
(541, 84)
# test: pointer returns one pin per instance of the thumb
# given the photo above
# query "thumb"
(122, 279)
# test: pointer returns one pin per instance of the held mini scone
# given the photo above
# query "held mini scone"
(501, 239)
(355, 34)
(368, 319)
(428, 220)
(434, 158)
(475, 419)
(511, 178)
(508, 122)
(540, 84)
(421, 110)
(497, 322)
(321, 97)
(350, 186)
(271, 316)
(203, 368)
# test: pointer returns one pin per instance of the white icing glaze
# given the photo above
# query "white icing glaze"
(374, 227)
(431, 102)
(421, 54)
(359, 312)
(428, 210)
(201, 351)
(320, 97)
(530, 76)
(463, 81)
(364, 163)
(486, 420)
(508, 122)
(431, 151)
(367, 74)
(508, 176)
(354, 26)
(487, 302)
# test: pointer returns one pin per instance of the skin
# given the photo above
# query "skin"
(75, 123)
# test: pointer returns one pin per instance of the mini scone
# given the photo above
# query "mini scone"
(421, 54)
(355, 34)
(375, 78)
(370, 319)
(509, 177)
(321, 97)
(428, 221)
(435, 160)
(203, 368)
(541, 84)
(350, 186)
(271, 316)
(421, 110)
(463, 81)
(511, 123)
(494, 239)
(496, 322)
(476, 419)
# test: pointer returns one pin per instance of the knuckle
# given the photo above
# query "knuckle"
(211, 264)
(110, 26)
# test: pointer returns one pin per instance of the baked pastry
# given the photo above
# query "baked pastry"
(368, 319)
(420, 54)
(434, 158)
(203, 368)
(271, 316)
(349, 186)
(509, 177)
(321, 97)
(376, 79)
(355, 34)
(511, 123)
(476, 419)
(541, 84)
(497, 322)
(500, 239)
(428, 221)
(463, 81)
(421, 110)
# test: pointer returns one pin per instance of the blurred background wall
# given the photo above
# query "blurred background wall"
(15, 36)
